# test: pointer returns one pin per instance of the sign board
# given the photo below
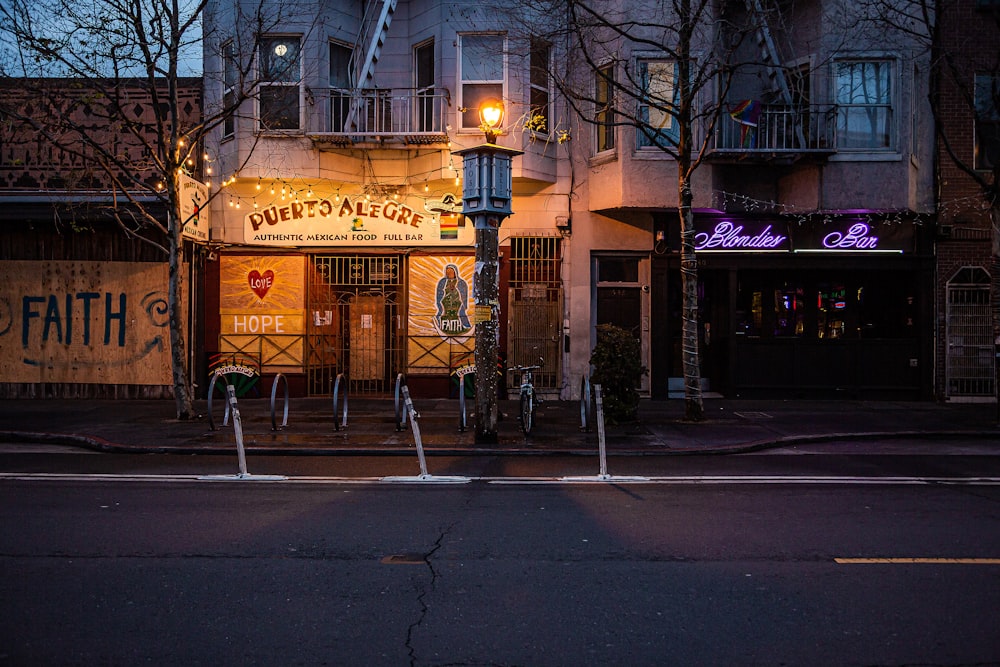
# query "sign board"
(356, 220)
(836, 234)
(84, 322)
(263, 308)
(193, 195)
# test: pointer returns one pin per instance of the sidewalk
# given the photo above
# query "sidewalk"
(732, 426)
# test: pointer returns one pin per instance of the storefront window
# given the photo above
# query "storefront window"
(833, 311)
(789, 310)
(826, 308)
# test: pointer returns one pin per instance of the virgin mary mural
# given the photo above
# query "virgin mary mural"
(452, 298)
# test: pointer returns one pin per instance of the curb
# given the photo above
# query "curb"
(101, 445)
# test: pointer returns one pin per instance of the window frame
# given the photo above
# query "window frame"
(984, 116)
(266, 43)
(604, 109)
(230, 79)
(670, 133)
(467, 113)
(890, 105)
(540, 94)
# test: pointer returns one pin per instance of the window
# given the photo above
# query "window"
(604, 115)
(280, 79)
(340, 84)
(658, 127)
(424, 78)
(987, 121)
(230, 79)
(539, 80)
(864, 99)
(618, 269)
(482, 74)
(826, 306)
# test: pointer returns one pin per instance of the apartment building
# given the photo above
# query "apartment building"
(341, 249)
(968, 154)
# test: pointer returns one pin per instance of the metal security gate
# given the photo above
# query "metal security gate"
(536, 307)
(355, 324)
(970, 371)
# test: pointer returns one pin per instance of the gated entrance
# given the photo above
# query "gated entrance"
(536, 306)
(354, 323)
(969, 371)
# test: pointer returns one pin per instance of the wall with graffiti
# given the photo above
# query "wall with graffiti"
(262, 309)
(440, 319)
(84, 322)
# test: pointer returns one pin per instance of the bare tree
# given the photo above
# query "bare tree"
(671, 98)
(65, 55)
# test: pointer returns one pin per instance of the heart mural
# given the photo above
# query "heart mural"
(260, 283)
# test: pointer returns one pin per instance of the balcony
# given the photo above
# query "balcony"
(403, 116)
(775, 132)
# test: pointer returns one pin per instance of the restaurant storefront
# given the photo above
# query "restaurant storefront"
(837, 305)
(348, 286)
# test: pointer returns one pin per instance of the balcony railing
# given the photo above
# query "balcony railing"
(408, 115)
(780, 130)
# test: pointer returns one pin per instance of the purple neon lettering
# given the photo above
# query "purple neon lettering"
(729, 236)
(856, 237)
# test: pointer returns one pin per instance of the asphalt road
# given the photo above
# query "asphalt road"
(806, 560)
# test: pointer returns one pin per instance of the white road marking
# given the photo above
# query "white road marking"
(671, 480)
(917, 561)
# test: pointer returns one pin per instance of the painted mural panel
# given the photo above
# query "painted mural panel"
(84, 322)
(440, 323)
(262, 309)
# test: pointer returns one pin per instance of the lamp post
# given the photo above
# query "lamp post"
(486, 195)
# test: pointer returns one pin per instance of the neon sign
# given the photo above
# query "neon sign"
(727, 236)
(855, 238)
(772, 235)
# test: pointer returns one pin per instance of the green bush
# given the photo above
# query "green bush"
(617, 363)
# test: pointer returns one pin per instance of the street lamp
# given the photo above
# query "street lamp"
(490, 119)
(486, 196)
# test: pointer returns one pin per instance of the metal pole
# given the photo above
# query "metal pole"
(486, 294)
(601, 445)
(238, 429)
(416, 430)
(487, 191)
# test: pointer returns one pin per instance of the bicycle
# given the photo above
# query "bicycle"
(528, 400)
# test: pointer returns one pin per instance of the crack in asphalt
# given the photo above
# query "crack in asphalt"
(423, 593)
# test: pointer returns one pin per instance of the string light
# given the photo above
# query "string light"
(739, 203)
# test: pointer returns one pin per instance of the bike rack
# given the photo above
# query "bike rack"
(400, 408)
(602, 450)
(463, 417)
(341, 380)
(585, 404)
(274, 391)
(240, 449)
(211, 393)
(404, 392)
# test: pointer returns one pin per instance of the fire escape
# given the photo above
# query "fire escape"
(372, 115)
(780, 125)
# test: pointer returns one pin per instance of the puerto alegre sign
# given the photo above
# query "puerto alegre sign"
(357, 220)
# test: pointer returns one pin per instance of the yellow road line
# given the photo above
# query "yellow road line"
(907, 561)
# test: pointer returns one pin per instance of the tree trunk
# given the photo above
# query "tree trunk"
(694, 409)
(177, 319)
